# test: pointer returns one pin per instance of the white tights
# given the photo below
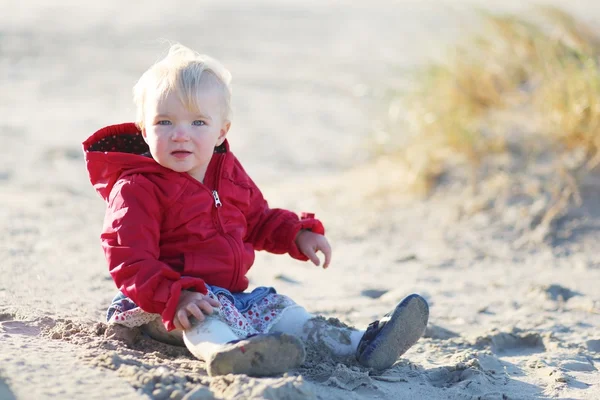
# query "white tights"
(299, 322)
(206, 338)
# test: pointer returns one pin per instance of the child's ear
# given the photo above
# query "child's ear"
(144, 135)
(223, 133)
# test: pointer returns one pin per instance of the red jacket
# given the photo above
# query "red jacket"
(165, 232)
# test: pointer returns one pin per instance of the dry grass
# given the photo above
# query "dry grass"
(543, 68)
(570, 101)
(547, 63)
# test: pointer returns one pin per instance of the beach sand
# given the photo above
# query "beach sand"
(511, 317)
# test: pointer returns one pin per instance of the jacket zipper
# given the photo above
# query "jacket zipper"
(217, 220)
(237, 257)
(217, 199)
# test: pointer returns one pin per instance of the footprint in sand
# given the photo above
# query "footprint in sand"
(593, 345)
(373, 293)
(463, 374)
(554, 292)
(515, 340)
(437, 332)
(18, 328)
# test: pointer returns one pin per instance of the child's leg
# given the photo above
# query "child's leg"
(207, 337)
(378, 347)
(214, 342)
(297, 321)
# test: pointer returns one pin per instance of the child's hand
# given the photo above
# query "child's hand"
(309, 243)
(193, 304)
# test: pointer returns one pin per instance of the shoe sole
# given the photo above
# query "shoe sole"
(262, 355)
(404, 328)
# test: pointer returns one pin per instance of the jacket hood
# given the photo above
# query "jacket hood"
(115, 151)
(120, 150)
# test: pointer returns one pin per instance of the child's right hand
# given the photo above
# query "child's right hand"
(193, 304)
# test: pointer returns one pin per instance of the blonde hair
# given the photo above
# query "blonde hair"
(188, 74)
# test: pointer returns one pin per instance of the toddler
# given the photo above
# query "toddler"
(183, 221)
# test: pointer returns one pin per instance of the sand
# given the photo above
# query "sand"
(512, 316)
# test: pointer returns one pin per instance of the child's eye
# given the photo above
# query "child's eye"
(163, 122)
(198, 123)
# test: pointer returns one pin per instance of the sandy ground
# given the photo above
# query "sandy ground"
(508, 321)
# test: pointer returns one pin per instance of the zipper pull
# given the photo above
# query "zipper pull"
(217, 200)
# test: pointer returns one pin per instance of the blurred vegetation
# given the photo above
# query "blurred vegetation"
(544, 66)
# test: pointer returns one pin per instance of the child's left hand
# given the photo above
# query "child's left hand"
(309, 243)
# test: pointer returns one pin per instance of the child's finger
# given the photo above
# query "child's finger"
(183, 319)
(213, 302)
(177, 324)
(327, 252)
(195, 311)
(205, 307)
(312, 256)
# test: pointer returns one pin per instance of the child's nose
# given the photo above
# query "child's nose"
(180, 134)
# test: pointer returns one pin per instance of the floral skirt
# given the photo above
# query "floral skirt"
(245, 313)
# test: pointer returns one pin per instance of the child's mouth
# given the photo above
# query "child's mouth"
(181, 153)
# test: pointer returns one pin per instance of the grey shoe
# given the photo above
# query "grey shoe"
(387, 339)
(260, 355)
(156, 330)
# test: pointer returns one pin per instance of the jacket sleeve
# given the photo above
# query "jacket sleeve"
(130, 239)
(275, 229)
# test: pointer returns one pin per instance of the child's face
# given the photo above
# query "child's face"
(183, 140)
